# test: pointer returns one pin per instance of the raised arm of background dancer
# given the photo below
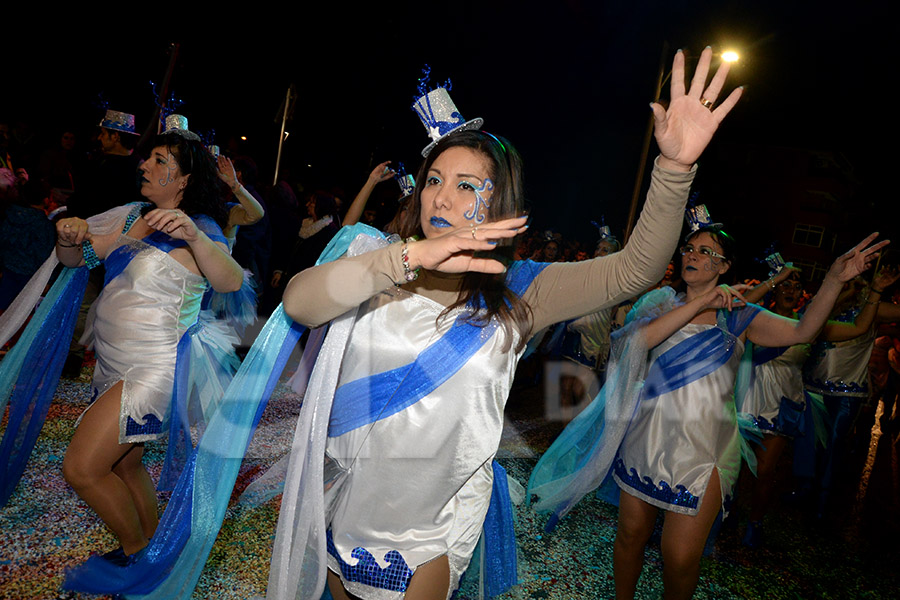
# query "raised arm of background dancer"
(380, 173)
(769, 329)
(249, 210)
(758, 292)
(837, 331)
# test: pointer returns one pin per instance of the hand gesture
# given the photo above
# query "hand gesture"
(685, 129)
(725, 296)
(885, 277)
(174, 223)
(381, 173)
(227, 172)
(72, 231)
(860, 258)
(785, 273)
(454, 252)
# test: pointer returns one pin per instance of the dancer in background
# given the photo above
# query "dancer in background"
(681, 450)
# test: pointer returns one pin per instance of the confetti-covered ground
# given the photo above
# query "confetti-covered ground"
(852, 554)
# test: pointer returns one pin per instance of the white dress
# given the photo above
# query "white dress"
(136, 325)
(775, 399)
(679, 437)
(420, 485)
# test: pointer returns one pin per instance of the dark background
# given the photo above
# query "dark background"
(567, 82)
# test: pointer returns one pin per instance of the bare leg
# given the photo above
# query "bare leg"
(88, 468)
(766, 460)
(683, 539)
(431, 581)
(636, 521)
(131, 471)
(337, 588)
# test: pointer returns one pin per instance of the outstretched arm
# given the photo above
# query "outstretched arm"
(771, 330)
(758, 292)
(836, 331)
(380, 173)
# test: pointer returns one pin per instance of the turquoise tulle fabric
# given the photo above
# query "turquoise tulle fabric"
(581, 457)
(30, 389)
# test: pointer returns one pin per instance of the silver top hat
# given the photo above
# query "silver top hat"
(440, 116)
(118, 121)
(179, 124)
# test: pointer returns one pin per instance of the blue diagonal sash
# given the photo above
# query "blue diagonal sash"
(698, 355)
(369, 399)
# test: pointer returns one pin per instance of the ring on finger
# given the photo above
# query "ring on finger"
(66, 226)
(706, 103)
(474, 229)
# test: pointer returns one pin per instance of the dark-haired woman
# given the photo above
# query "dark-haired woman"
(434, 331)
(681, 452)
(159, 260)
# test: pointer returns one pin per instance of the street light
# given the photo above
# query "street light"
(661, 79)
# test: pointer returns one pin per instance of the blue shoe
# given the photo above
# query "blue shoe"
(753, 538)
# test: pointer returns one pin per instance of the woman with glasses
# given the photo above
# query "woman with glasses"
(679, 438)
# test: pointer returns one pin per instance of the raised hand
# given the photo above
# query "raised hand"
(857, 260)
(174, 223)
(885, 277)
(226, 171)
(454, 252)
(381, 172)
(685, 129)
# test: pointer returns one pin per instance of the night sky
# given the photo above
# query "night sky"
(567, 82)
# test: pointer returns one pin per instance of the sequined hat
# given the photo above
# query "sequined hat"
(406, 181)
(603, 229)
(179, 124)
(698, 217)
(118, 121)
(776, 263)
(440, 116)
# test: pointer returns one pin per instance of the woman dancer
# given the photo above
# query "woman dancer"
(429, 359)
(158, 266)
(775, 399)
(683, 441)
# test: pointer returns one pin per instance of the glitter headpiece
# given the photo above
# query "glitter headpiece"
(406, 181)
(118, 121)
(179, 124)
(438, 113)
(698, 217)
(776, 263)
(603, 229)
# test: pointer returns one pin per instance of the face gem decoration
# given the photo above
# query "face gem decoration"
(477, 214)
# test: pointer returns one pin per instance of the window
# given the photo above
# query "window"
(808, 235)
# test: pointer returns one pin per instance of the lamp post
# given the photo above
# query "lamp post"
(661, 79)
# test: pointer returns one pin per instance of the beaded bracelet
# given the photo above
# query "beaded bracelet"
(408, 273)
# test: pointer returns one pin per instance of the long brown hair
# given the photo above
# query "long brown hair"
(486, 292)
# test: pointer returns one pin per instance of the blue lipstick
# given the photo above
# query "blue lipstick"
(439, 222)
